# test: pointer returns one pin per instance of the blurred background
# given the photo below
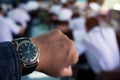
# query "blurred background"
(76, 19)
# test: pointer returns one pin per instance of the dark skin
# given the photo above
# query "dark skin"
(91, 23)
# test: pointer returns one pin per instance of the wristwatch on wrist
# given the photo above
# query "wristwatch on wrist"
(28, 54)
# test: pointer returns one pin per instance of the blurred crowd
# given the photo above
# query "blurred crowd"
(92, 28)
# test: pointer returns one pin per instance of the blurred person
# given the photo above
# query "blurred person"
(104, 22)
(55, 7)
(19, 15)
(52, 21)
(77, 22)
(52, 53)
(8, 27)
(65, 13)
(63, 1)
(77, 25)
(64, 27)
(102, 51)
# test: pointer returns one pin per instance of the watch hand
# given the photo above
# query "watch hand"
(28, 49)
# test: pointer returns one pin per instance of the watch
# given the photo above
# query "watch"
(28, 54)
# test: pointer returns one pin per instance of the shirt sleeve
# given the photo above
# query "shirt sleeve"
(13, 26)
(9, 62)
(80, 48)
(71, 24)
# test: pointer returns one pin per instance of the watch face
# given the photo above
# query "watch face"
(28, 52)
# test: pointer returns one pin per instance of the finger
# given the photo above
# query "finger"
(66, 72)
(75, 55)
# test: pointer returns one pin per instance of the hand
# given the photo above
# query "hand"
(57, 54)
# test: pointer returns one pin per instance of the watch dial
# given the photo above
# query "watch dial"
(28, 52)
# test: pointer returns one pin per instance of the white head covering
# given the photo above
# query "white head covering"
(63, 1)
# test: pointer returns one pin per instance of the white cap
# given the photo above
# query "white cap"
(94, 6)
(63, 1)
(32, 5)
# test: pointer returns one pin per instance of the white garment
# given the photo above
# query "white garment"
(55, 9)
(79, 31)
(65, 14)
(102, 50)
(78, 38)
(7, 27)
(78, 24)
(19, 15)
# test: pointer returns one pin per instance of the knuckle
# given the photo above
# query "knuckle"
(72, 44)
(76, 57)
(68, 46)
(57, 31)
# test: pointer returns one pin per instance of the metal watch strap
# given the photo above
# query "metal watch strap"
(29, 69)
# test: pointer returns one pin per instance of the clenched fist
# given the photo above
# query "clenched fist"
(57, 54)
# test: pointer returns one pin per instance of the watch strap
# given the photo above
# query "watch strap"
(26, 71)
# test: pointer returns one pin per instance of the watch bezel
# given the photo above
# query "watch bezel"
(25, 63)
